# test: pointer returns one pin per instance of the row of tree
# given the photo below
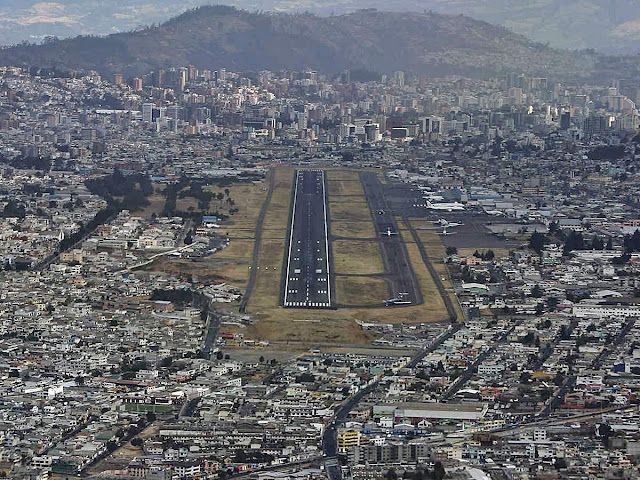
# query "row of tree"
(121, 191)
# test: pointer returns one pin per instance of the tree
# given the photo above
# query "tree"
(574, 241)
(391, 475)
(536, 291)
(528, 339)
(261, 359)
(439, 472)
(14, 209)
(537, 242)
(609, 244)
(621, 260)
(166, 362)
(552, 304)
(560, 463)
(545, 394)
(451, 251)
(603, 431)
(137, 442)
(597, 243)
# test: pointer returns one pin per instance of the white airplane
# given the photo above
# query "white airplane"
(495, 213)
(399, 300)
(449, 207)
(396, 301)
(433, 198)
(445, 232)
(388, 233)
(446, 224)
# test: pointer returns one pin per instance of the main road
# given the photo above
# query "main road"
(329, 437)
(307, 281)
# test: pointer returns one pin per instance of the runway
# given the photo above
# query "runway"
(394, 253)
(308, 269)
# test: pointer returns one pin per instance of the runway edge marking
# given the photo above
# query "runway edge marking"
(326, 236)
(293, 219)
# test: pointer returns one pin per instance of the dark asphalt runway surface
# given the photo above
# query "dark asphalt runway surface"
(308, 272)
(394, 253)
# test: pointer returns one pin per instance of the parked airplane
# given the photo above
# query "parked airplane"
(396, 301)
(399, 300)
(445, 232)
(496, 213)
(446, 224)
(388, 233)
(449, 207)
(433, 198)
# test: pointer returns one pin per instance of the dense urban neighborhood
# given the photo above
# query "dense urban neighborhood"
(478, 311)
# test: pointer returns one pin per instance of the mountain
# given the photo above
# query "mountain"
(35, 20)
(219, 36)
(610, 26)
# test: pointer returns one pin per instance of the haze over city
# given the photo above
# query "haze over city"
(319, 240)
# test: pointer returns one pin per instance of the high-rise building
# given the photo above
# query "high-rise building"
(147, 112)
(174, 112)
(159, 78)
(597, 124)
(137, 84)
(118, 79)
(181, 81)
(431, 124)
(565, 120)
(192, 73)
(302, 121)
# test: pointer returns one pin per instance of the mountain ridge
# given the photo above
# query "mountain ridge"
(222, 36)
(608, 26)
